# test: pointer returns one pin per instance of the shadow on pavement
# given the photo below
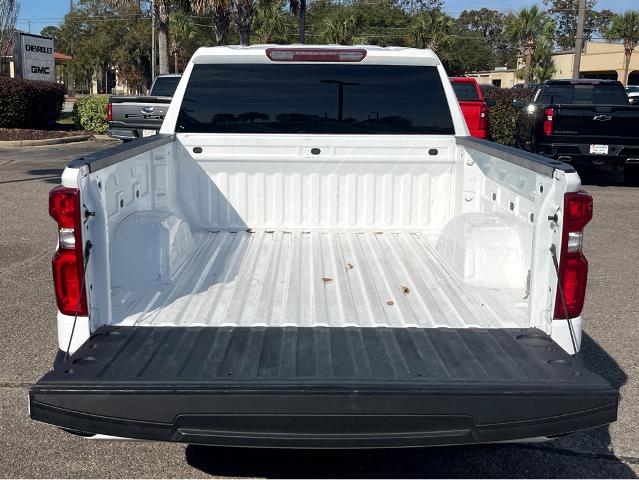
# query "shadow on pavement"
(585, 454)
(601, 176)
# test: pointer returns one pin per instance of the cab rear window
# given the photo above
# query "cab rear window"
(312, 98)
(466, 92)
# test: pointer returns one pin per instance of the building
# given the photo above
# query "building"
(598, 60)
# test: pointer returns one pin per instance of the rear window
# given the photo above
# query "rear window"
(594, 94)
(165, 86)
(466, 92)
(312, 98)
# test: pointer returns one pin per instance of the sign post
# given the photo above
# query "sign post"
(33, 57)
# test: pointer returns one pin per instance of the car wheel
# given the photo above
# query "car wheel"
(631, 174)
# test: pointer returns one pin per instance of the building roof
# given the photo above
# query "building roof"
(62, 56)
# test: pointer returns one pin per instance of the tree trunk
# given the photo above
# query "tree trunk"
(163, 47)
(221, 21)
(528, 69)
(302, 21)
(176, 63)
(628, 55)
(245, 36)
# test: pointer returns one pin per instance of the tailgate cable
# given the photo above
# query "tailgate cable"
(553, 252)
(87, 253)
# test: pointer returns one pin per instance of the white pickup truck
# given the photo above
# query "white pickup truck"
(314, 252)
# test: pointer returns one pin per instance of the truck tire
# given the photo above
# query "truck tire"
(631, 174)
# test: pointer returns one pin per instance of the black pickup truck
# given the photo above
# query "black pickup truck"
(582, 122)
(136, 117)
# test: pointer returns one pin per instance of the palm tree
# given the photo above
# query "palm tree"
(244, 11)
(544, 68)
(221, 11)
(272, 21)
(341, 26)
(181, 33)
(431, 29)
(525, 28)
(162, 11)
(625, 27)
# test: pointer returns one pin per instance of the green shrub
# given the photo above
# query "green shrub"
(503, 116)
(29, 103)
(90, 113)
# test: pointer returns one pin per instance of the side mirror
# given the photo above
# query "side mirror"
(490, 103)
(519, 104)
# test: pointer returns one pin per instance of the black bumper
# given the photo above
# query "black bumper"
(579, 153)
(322, 387)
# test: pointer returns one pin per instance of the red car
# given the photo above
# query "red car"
(473, 105)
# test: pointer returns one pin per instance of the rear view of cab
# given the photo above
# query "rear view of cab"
(473, 105)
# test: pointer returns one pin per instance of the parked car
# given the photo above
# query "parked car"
(633, 94)
(314, 252)
(583, 122)
(141, 116)
(473, 105)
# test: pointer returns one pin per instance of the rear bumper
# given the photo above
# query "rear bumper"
(322, 387)
(123, 133)
(353, 419)
(579, 153)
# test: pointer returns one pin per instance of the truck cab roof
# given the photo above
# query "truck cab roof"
(370, 54)
(583, 81)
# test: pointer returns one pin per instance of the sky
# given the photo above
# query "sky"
(50, 12)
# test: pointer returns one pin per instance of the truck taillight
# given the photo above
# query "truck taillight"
(109, 112)
(549, 114)
(483, 118)
(315, 54)
(573, 266)
(68, 261)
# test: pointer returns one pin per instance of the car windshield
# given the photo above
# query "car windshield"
(315, 98)
(584, 94)
(466, 92)
(165, 86)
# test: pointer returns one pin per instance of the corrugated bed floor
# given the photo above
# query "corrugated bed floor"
(335, 279)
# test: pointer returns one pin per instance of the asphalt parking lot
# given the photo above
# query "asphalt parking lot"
(28, 344)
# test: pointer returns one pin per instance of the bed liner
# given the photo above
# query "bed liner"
(318, 278)
(322, 387)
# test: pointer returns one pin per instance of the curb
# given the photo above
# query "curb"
(44, 141)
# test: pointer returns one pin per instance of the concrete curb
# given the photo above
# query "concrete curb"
(44, 141)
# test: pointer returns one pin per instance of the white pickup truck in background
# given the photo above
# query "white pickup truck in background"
(314, 252)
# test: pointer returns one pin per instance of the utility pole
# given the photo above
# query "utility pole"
(579, 38)
(152, 40)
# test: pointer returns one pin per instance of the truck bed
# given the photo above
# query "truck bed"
(317, 278)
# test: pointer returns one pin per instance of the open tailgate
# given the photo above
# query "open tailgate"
(322, 387)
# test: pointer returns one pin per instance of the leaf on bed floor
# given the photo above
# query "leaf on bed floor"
(405, 290)
(327, 279)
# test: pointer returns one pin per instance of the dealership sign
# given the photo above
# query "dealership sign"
(33, 57)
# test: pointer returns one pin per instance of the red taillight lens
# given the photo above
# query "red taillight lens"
(68, 261)
(573, 266)
(315, 55)
(67, 278)
(549, 114)
(109, 112)
(64, 206)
